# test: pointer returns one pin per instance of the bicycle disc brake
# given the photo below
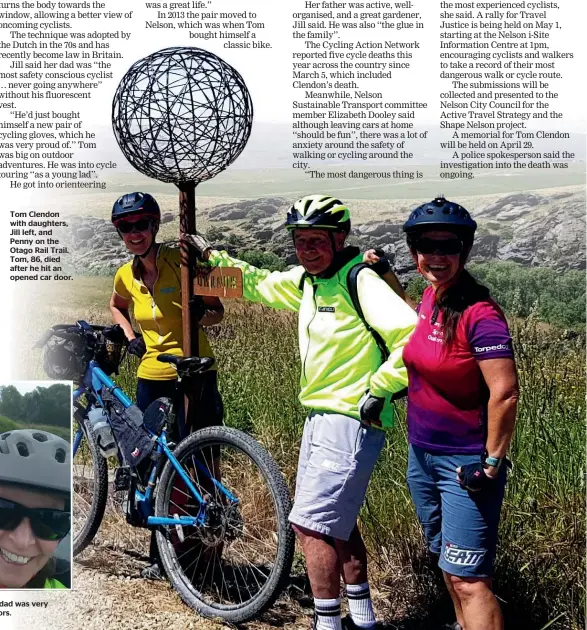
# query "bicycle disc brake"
(224, 523)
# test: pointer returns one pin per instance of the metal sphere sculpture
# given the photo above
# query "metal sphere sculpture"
(182, 115)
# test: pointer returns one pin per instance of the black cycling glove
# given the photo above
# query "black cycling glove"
(382, 266)
(137, 347)
(197, 308)
(473, 477)
(370, 408)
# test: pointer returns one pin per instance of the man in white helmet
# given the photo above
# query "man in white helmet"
(347, 386)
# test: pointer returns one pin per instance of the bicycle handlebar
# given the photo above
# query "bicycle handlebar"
(68, 331)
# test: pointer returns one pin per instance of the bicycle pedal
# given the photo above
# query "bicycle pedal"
(122, 478)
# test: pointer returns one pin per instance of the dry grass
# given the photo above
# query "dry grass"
(540, 566)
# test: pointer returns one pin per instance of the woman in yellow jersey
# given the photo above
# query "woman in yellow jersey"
(35, 499)
(151, 284)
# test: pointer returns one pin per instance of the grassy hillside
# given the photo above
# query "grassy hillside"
(540, 565)
(6, 424)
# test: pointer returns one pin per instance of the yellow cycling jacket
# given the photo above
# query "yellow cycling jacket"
(340, 357)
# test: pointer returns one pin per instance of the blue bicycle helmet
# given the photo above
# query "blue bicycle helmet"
(137, 204)
(443, 215)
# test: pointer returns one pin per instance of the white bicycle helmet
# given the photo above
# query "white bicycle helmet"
(319, 211)
(36, 459)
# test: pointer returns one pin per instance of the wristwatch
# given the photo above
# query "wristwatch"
(491, 461)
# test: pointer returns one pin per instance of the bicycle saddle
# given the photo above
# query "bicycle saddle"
(187, 366)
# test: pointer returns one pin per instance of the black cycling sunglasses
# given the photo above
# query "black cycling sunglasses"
(444, 247)
(138, 226)
(46, 523)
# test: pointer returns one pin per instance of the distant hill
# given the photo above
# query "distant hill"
(543, 228)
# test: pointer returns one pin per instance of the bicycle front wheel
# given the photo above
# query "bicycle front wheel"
(90, 487)
(234, 565)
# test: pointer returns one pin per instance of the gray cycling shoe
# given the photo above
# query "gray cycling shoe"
(452, 626)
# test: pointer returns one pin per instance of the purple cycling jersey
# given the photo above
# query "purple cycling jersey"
(447, 395)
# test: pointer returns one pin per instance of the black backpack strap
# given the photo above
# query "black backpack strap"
(351, 282)
(63, 572)
(302, 280)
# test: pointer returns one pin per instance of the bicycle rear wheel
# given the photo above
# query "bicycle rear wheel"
(90, 487)
(236, 565)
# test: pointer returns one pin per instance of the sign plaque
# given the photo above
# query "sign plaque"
(222, 282)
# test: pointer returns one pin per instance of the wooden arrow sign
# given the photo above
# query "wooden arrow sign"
(222, 282)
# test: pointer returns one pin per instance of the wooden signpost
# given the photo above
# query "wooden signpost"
(182, 115)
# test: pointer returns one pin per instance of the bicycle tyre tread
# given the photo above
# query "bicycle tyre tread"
(100, 470)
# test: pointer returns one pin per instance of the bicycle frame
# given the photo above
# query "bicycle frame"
(94, 379)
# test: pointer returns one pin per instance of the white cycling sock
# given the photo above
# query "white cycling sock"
(360, 605)
(328, 614)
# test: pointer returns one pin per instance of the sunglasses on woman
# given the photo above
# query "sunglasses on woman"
(46, 523)
(124, 227)
(444, 247)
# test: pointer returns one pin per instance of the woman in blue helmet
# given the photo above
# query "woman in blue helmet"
(462, 401)
(35, 512)
(151, 285)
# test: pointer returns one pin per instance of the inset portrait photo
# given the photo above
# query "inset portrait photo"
(35, 485)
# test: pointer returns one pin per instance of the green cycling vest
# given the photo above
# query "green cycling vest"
(53, 583)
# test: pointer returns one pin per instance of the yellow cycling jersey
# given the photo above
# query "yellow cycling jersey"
(159, 315)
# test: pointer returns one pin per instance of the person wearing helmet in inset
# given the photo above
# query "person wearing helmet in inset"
(151, 284)
(35, 512)
(462, 400)
(347, 386)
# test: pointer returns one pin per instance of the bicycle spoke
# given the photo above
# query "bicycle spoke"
(253, 567)
(228, 559)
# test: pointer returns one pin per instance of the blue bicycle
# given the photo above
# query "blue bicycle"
(216, 500)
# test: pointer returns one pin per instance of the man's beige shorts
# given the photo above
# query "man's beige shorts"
(337, 457)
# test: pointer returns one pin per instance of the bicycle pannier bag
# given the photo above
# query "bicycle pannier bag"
(132, 437)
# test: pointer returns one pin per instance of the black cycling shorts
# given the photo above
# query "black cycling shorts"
(209, 407)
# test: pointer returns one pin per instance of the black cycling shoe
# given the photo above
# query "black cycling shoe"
(315, 624)
(152, 572)
(349, 624)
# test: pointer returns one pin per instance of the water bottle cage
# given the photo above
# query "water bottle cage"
(103, 434)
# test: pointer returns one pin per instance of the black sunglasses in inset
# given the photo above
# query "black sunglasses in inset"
(141, 225)
(46, 523)
(444, 247)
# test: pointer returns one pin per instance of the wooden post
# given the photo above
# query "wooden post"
(187, 225)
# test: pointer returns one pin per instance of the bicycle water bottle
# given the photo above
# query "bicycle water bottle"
(99, 421)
